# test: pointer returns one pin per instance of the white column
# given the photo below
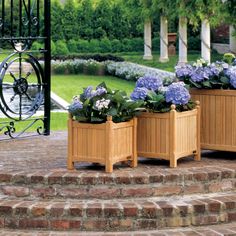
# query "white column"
(206, 40)
(147, 40)
(164, 40)
(183, 51)
(232, 39)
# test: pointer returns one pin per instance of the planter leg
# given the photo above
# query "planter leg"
(173, 162)
(70, 165)
(197, 156)
(134, 162)
(109, 168)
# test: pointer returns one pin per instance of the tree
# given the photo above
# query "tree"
(84, 19)
(56, 21)
(102, 19)
(70, 20)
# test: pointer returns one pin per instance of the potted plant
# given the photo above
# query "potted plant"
(214, 86)
(102, 128)
(169, 129)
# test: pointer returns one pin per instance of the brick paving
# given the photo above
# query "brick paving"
(37, 192)
(32, 154)
(216, 230)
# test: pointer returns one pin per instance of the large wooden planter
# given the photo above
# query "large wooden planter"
(170, 135)
(218, 118)
(106, 143)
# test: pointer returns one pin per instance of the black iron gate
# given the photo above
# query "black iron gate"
(24, 68)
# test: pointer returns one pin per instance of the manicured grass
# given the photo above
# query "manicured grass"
(58, 122)
(66, 86)
(169, 66)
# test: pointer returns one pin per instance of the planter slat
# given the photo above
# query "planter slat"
(106, 143)
(169, 136)
(218, 119)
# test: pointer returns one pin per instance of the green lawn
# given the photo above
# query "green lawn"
(58, 122)
(66, 86)
(137, 57)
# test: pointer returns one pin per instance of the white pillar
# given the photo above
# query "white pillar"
(164, 40)
(183, 50)
(232, 39)
(147, 40)
(206, 40)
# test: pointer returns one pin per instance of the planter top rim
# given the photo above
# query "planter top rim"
(222, 92)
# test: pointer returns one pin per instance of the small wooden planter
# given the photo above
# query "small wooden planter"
(106, 143)
(170, 135)
(218, 118)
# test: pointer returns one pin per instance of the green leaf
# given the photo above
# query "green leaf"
(224, 80)
(196, 85)
(206, 84)
(112, 112)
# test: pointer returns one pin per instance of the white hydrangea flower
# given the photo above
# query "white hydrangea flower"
(101, 104)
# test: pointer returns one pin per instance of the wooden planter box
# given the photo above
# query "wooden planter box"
(218, 118)
(170, 135)
(106, 143)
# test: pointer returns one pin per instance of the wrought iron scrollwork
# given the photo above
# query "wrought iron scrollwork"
(24, 80)
(21, 76)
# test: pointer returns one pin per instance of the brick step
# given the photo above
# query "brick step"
(135, 183)
(214, 230)
(119, 214)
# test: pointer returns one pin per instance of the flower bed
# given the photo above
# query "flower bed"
(131, 71)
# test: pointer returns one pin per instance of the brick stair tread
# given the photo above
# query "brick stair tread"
(136, 183)
(122, 214)
(215, 230)
(133, 176)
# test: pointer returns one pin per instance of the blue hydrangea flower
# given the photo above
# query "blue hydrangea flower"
(232, 76)
(88, 92)
(139, 94)
(99, 91)
(149, 82)
(75, 106)
(177, 94)
(200, 74)
(183, 71)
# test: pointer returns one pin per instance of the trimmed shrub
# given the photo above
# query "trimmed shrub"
(53, 48)
(94, 45)
(116, 45)
(72, 46)
(127, 45)
(156, 44)
(137, 44)
(83, 45)
(61, 48)
(105, 45)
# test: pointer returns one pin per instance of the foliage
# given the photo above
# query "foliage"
(93, 106)
(159, 97)
(201, 74)
(61, 48)
(229, 58)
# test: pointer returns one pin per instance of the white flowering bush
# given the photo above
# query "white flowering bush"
(131, 71)
(94, 105)
(77, 66)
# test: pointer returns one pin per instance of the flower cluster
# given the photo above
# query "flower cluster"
(176, 93)
(131, 71)
(161, 98)
(94, 105)
(102, 104)
(232, 76)
(204, 75)
(149, 82)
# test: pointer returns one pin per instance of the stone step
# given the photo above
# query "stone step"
(214, 230)
(120, 184)
(119, 214)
